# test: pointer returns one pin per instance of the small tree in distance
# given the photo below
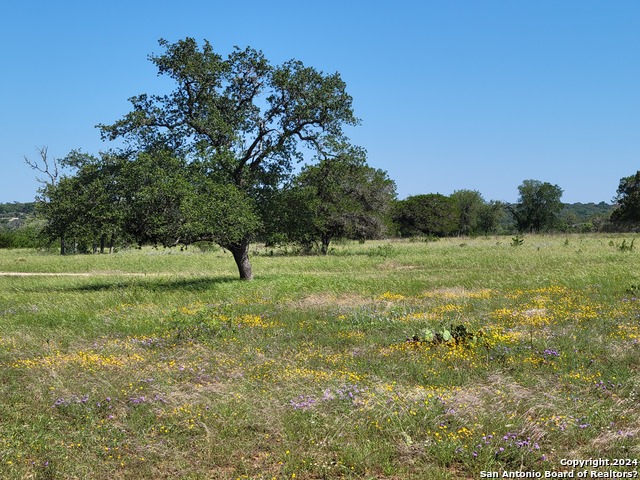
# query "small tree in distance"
(538, 206)
(427, 214)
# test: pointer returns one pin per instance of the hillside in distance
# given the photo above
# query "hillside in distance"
(15, 213)
(582, 212)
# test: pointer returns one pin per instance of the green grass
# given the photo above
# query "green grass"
(160, 364)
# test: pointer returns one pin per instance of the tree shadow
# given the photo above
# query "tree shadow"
(150, 283)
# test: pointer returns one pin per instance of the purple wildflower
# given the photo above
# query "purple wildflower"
(304, 403)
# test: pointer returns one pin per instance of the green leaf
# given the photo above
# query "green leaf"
(446, 335)
(428, 335)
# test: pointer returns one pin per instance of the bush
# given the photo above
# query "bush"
(26, 236)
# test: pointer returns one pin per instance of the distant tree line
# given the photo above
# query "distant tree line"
(122, 202)
(16, 210)
(464, 212)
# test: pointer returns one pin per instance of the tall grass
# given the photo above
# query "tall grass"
(160, 364)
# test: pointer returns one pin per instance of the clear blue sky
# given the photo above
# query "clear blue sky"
(453, 94)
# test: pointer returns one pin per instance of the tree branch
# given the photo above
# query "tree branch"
(49, 168)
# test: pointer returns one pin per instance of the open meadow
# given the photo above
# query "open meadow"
(383, 360)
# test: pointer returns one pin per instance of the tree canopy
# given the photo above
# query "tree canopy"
(240, 121)
(426, 214)
(538, 206)
(340, 196)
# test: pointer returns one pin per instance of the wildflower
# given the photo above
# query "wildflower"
(304, 403)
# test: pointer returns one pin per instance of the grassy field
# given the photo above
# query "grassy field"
(387, 360)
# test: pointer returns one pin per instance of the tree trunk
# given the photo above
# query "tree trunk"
(324, 246)
(63, 245)
(240, 253)
(103, 239)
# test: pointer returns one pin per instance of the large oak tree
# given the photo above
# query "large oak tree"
(243, 121)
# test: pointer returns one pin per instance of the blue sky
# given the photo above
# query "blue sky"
(453, 94)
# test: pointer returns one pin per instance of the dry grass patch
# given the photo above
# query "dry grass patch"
(327, 300)
(608, 438)
(499, 394)
(456, 292)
